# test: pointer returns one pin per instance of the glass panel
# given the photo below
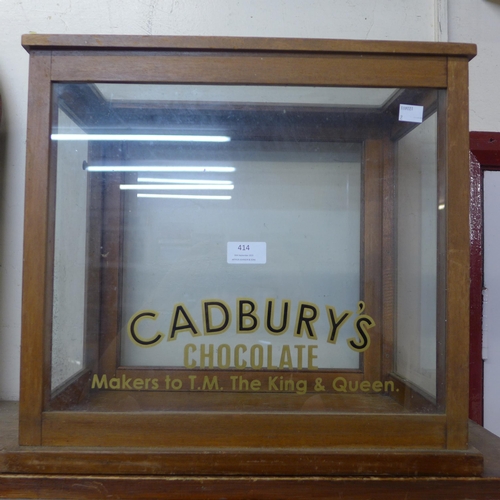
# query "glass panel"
(243, 94)
(235, 239)
(68, 310)
(417, 211)
(297, 203)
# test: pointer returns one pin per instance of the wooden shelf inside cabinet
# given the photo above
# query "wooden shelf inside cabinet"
(240, 248)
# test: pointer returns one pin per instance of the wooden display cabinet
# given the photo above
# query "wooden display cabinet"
(247, 256)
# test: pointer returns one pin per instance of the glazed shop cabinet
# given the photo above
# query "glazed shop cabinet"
(247, 256)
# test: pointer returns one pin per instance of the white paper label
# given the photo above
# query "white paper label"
(410, 113)
(246, 252)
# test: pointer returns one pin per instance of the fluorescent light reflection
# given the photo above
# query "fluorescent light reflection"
(140, 137)
(144, 168)
(184, 196)
(180, 181)
(175, 186)
(441, 206)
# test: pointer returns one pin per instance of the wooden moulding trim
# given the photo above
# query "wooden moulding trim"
(215, 461)
(234, 488)
(458, 258)
(240, 430)
(442, 167)
(388, 258)
(371, 237)
(251, 69)
(110, 267)
(94, 270)
(35, 248)
(84, 42)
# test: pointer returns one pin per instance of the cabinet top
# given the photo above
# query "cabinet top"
(255, 44)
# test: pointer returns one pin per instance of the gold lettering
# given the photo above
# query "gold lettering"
(365, 386)
(389, 386)
(256, 356)
(126, 382)
(223, 356)
(176, 384)
(237, 363)
(255, 385)
(286, 358)
(114, 383)
(311, 357)
(353, 385)
(138, 383)
(187, 362)
(270, 365)
(204, 356)
(301, 386)
(99, 384)
(210, 385)
(340, 384)
(271, 383)
(299, 348)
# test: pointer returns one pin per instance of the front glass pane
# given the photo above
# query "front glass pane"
(276, 242)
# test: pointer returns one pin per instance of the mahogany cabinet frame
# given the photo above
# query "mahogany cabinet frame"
(88, 59)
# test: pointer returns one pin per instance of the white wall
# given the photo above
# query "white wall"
(365, 19)
(478, 21)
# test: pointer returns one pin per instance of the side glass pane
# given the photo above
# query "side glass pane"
(416, 284)
(68, 309)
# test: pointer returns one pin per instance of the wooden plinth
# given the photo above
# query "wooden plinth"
(50, 472)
